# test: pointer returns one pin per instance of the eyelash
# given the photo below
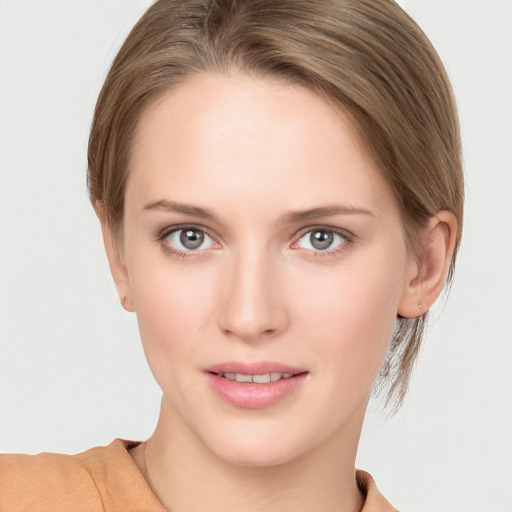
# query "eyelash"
(348, 240)
(346, 235)
(163, 234)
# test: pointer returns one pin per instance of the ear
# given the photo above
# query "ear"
(115, 259)
(427, 272)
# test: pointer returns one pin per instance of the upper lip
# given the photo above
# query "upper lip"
(254, 368)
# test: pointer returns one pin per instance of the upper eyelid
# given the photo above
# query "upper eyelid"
(179, 227)
(339, 231)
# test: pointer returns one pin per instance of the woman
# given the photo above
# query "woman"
(280, 192)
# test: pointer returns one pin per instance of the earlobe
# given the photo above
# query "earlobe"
(428, 271)
(115, 259)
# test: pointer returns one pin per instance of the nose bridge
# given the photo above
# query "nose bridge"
(252, 306)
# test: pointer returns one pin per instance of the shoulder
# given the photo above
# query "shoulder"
(48, 479)
(374, 500)
(54, 482)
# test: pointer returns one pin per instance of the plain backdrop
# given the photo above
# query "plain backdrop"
(72, 371)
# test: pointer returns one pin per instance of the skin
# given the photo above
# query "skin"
(252, 152)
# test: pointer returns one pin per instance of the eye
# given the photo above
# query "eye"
(321, 240)
(189, 239)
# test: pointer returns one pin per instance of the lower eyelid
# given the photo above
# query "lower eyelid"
(174, 252)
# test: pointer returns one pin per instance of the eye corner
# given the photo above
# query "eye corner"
(173, 240)
(322, 246)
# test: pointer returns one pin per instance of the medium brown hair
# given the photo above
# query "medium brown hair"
(366, 56)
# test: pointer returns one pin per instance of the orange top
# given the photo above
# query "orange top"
(101, 479)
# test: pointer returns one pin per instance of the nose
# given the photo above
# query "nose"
(253, 305)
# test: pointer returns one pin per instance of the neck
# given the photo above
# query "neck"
(185, 475)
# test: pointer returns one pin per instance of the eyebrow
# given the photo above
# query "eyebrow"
(291, 217)
(164, 205)
(318, 213)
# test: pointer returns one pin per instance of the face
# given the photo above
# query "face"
(265, 259)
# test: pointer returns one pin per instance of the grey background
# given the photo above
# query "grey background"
(72, 372)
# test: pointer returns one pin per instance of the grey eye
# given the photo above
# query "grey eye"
(321, 240)
(189, 239)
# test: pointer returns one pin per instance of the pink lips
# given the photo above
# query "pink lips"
(251, 395)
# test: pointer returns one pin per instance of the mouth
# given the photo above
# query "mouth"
(255, 386)
(263, 378)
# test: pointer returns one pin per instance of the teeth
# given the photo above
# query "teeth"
(257, 379)
(261, 379)
(243, 378)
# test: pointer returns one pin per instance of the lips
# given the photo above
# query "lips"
(256, 379)
(256, 368)
(256, 385)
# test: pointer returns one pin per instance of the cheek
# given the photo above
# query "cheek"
(173, 311)
(352, 315)
(173, 306)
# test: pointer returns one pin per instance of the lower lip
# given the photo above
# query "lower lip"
(255, 396)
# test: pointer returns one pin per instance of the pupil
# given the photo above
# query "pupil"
(321, 240)
(191, 239)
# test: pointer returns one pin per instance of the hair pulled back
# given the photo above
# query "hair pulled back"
(366, 56)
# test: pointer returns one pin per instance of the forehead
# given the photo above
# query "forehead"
(224, 136)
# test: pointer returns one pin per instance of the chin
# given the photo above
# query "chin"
(256, 456)
(259, 446)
